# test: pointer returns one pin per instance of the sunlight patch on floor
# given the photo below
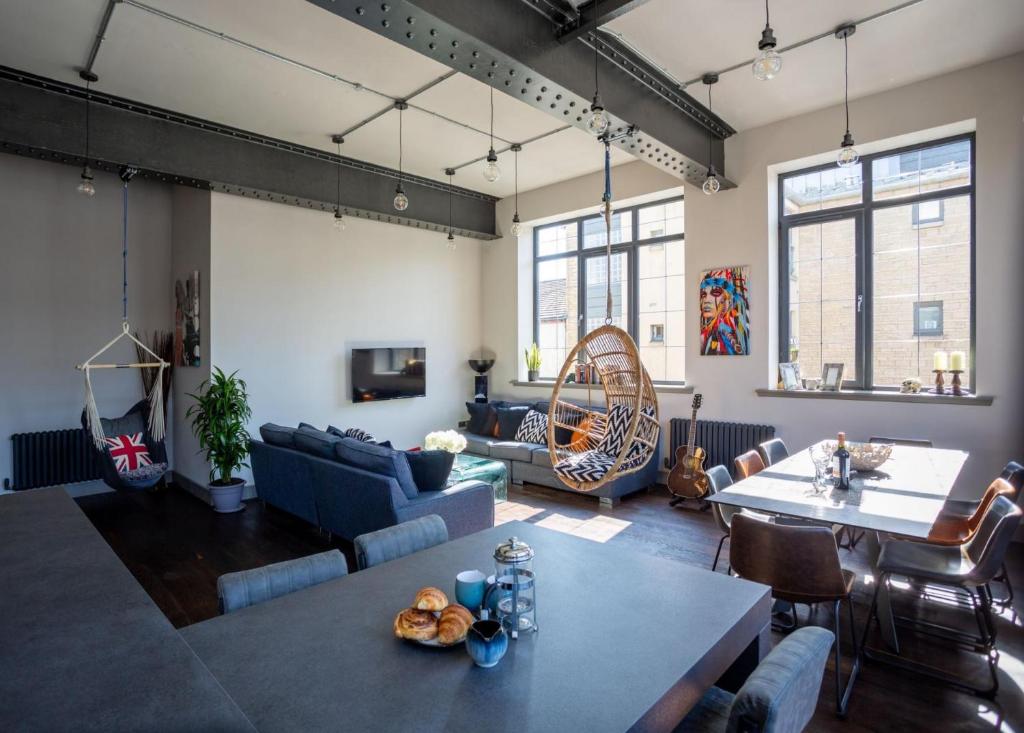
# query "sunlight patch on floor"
(598, 528)
(510, 511)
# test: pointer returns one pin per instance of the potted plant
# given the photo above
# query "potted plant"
(533, 362)
(219, 416)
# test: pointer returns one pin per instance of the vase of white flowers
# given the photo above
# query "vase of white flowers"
(450, 441)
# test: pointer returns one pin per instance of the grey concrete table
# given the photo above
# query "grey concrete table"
(82, 647)
(902, 497)
(626, 642)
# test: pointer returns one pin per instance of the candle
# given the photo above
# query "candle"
(957, 361)
(940, 361)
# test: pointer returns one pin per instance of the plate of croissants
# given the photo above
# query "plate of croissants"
(433, 621)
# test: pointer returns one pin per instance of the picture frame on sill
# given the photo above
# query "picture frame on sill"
(832, 377)
(789, 376)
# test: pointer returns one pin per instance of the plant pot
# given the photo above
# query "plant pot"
(533, 375)
(227, 498)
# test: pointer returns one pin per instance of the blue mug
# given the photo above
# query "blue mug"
(470, 586)
(486, 642)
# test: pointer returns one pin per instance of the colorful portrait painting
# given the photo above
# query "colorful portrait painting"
(724, 304)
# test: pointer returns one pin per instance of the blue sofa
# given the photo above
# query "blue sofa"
(531, 462)
(312, 482)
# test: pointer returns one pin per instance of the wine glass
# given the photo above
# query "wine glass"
(821, 457)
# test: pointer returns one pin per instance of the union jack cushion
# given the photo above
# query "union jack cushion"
(533, 428)
(129, 452)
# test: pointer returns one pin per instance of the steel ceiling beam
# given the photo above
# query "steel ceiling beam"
(513, 48)
(45, 118)
(592, 15)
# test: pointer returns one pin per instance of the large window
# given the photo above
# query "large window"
(877, 264)
(571, 277)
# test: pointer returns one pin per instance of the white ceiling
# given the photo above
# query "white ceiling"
(155, 60)
(690, 37)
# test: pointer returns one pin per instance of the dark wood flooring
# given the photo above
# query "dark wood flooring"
(177, 547)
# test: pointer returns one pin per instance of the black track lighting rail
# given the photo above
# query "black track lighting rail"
(592, 15)
(44, 119)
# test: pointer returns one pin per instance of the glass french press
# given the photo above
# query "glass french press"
(515, 586)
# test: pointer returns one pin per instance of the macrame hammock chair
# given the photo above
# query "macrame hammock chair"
(146, 416)
(594, 445)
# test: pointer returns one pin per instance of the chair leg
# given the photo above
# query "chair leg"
(1004, 578)
(718, 552)
(843, 693)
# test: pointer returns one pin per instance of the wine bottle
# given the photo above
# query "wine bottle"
(841, 464)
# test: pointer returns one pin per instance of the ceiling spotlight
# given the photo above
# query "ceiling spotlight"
(491, 170)
(711, 183)
(401, 201)
(848, 155)
(768, 63)
(85, 186)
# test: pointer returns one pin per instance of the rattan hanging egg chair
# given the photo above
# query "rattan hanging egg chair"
(593, 445)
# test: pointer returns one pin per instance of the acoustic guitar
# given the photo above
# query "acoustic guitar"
(687, 479)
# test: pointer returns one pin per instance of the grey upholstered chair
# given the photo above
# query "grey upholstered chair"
(249, 587)
(780, 695)
(391, 543)
(801, 564)
(772, 451)
(968, 568)
(719, 479)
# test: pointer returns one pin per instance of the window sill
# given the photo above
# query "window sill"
(878, 396)
(550, 384)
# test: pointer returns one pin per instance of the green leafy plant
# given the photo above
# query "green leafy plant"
(219, 417)
(533, 357)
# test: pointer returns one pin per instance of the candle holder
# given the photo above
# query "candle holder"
(940, 383)
(957, 390)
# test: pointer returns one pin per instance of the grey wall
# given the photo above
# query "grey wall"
(60, 291)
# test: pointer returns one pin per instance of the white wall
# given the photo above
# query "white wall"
(60, 297)
(190, 236)
(734, 228)
(291, 296)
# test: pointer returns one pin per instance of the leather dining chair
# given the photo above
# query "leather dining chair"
(719, 479)
(967, 568)
(249, 587)
(391, 543)
(779, 696)
(748, 464)
(952, 529)
(801, 564)
(772, 451)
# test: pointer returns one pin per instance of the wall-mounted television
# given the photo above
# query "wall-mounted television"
(388, 373)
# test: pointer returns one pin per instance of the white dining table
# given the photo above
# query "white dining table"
(902, 497)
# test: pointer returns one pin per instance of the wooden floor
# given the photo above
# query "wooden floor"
(176, 547)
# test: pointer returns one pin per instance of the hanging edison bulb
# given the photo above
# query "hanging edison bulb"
(339, 221)
(401, 200)
(711, 183)
(451, 241)
(768, 63)
(491, 170)
(85, 186)
(517, 227)
(598, 122)
(848, 155)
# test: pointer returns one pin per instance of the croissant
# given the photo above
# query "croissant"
(415, 624)
(430, 599)
(454, 624)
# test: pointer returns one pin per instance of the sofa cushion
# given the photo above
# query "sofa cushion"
(509, 420)
(478, 445)
(430, 468)
(482, 418)
(541, 457)
(512, 450)
(533, 428)
(277, 435)
(316, 442)
(378, 459)
(307, 425)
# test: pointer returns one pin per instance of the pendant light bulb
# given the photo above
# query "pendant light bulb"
(768, 63)
(491, 170)
(339, 221)
(598, 122)
(401, 200)
(711, 183)
(85, 186)
(517, 227)
(848, 156)
(452, 246)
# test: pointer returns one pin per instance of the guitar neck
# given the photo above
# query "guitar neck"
(691, 441)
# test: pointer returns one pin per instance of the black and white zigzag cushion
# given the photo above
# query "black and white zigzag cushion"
(589, 466)
(359, 434)
(533, 428)
(618, 425)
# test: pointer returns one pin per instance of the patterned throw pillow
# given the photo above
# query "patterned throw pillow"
(618, 425)
(591, 465)
(360, 435)
(533, 428)
(129, 452)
